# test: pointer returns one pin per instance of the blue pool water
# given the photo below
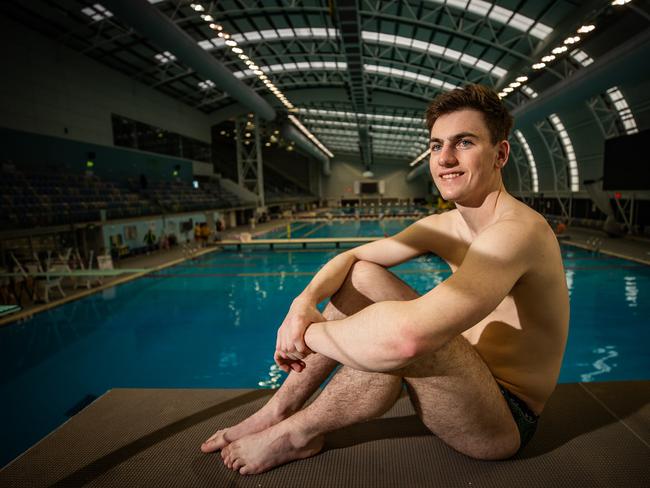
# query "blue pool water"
(211, 322)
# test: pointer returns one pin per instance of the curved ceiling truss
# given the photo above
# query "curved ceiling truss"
(398, 56)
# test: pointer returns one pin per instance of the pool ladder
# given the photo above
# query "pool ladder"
(595, 243)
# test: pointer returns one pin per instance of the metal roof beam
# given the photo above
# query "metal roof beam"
(626, 63)
(585, 11)
(347, 17)
(156, 26)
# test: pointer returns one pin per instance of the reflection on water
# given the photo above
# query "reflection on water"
(233, 306)
(275, 378)
(600, 365)
(631, 291)
(569, 280)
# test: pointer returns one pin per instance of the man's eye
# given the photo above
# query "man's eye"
(464, 143)
(436, 147)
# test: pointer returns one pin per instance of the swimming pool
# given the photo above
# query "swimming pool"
(211, 322)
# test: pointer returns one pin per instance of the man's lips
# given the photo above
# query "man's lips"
(450, 175)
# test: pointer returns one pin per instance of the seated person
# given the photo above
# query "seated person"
(480, 353)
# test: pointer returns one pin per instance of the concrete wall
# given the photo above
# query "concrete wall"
(340, 184)
(47, 88)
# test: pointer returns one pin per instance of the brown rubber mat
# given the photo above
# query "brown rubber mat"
(592, 435)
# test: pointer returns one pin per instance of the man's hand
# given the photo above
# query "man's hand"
(290, 348)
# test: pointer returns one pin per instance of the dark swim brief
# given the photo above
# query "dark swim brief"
(525, 418)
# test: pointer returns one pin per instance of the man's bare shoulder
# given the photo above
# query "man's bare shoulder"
(441, 221)
(525, 233)
(527, 221)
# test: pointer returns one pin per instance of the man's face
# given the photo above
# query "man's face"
(464, 163)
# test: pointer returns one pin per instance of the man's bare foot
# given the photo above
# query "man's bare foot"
(272, 447)
(264, 418)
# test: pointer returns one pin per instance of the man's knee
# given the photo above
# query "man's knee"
(363, 276)
(365, 284)
(355, 292)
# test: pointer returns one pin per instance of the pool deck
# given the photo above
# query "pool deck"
(589, 435)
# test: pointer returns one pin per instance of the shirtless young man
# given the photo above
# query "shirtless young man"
(480, 353)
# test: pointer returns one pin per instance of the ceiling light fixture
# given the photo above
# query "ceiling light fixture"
(420, 158)
(522, 79)
(586, 28)
(539, 65)
(560, 50)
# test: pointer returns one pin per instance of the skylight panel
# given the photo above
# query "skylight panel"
(501, 15)
(531, 159)
(303, 32)
(286, 33)
(624, 112)
(398, 73)
(353, 116)
(568, 150)
(452, 54)
(479, 7)
(97, 12)
(540, 30)
(165, 57)
(206, 85)
(520, 22)
(581, 57)
(468, 59)
(484, 66)
(270, 35)
(255, 35)
(208, 44)
(529, 91)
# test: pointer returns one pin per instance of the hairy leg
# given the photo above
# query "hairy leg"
(452, 389)
(365, 284)
(458, 399)
(350, 397)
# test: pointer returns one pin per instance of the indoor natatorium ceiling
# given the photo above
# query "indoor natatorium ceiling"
(358, 74)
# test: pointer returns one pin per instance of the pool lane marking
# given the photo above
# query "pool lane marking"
(277, 273)
(282, 226)
(311, 273)
(314, 230)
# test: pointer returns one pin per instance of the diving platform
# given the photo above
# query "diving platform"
(589, 435)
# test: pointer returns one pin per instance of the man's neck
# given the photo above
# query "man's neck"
(478, 217)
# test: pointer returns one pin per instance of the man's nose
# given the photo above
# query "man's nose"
(447, 156)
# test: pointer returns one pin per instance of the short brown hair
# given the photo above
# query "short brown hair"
(476, 97)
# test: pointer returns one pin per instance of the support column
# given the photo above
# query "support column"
(250, 172)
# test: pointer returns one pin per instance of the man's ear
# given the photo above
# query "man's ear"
(503, 151)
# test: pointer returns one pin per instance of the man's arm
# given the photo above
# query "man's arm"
(411, 242)
(389, 335)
